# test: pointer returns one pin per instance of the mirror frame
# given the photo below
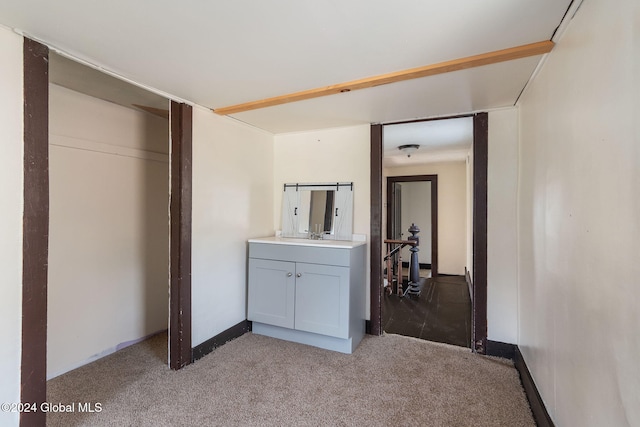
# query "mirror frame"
(342, 225)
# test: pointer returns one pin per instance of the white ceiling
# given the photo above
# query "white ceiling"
(220, 53)
(439, 141)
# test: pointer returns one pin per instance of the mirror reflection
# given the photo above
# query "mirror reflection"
(318, 211)
(319, 217)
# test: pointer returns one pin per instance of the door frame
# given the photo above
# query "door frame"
(33, 367)
(479, 228)
(433, 179)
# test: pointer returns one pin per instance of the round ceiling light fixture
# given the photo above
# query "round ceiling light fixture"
(409, 149)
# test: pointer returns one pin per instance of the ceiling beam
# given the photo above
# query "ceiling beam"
(517, 52)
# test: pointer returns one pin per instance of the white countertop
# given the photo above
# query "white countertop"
(344, 244)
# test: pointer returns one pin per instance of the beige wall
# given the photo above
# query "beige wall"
(11, 167)
(452, 210)
(579, 234)
(469, 171)
(108, 242)
(502, 186)
(329, 155)
(232, 202)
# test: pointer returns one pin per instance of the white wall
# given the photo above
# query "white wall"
(328, 155)
(416, 209)
(11, 187)
(232, 202)
(579, 228)
(452, 211)
(108, 243)
(502, 187)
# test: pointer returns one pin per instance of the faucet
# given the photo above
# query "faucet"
(317, 234)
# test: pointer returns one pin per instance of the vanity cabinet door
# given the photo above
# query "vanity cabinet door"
(271, 292)
(322, 299)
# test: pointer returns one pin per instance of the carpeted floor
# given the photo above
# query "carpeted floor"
(259, 381)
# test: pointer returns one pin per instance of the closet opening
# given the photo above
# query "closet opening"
(108, 216)
(97, 198)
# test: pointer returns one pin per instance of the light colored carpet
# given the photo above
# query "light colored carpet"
(259, 381)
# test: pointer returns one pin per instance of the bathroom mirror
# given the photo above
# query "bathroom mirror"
(319, 219)
(318, 211)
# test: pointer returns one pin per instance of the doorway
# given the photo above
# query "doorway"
(417, 203)
(476, 274)
(442, 312)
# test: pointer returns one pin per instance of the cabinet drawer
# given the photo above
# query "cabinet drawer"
(297, 253)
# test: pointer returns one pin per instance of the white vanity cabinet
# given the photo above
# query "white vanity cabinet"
(308, 292)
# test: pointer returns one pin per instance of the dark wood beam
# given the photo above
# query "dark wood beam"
(375, 323)
(35, 234)
(480, 171)
(180, 350)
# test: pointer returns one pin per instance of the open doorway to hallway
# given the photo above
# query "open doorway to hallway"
(429, 183)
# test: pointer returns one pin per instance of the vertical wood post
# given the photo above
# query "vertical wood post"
(414, 273)
(376, 231)
(180, 350)
(35, 234)
(480, 172)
